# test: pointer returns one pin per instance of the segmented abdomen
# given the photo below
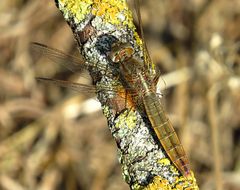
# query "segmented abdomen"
(166, 133)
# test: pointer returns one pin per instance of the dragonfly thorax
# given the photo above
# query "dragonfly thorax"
(137, 78)
(132, 69)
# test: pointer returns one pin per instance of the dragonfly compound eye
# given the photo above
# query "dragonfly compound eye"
(122, 54)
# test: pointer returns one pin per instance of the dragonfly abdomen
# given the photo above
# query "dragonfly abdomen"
(166, 133)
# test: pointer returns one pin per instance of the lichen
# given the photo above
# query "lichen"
(114, 12)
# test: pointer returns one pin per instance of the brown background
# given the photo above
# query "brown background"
(49, 140)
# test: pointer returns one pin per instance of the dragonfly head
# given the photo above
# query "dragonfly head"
(121, 52)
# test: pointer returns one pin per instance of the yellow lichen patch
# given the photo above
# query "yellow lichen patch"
(78, 9)
(188, 183)
(138, 39)
(164, 161)
(106, 111)
(115, 12)
(128, 118)
(158, 184)
(167, 162)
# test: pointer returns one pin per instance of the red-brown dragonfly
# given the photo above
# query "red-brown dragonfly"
(141, 78)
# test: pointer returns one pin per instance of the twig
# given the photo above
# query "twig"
(212, 99)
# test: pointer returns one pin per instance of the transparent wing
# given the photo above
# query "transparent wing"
(86, 89)
(67, 84)
(146, 54)
(70, 62)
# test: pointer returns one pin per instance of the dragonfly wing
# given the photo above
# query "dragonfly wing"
(146, 54)
(67, 84)
(121, 99)
(83, 88)
(70, 62)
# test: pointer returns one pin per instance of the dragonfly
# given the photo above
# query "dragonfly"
(139, 79)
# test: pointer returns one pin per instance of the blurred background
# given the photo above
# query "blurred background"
(53, 138)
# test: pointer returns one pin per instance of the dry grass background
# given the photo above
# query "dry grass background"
(51, 138)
